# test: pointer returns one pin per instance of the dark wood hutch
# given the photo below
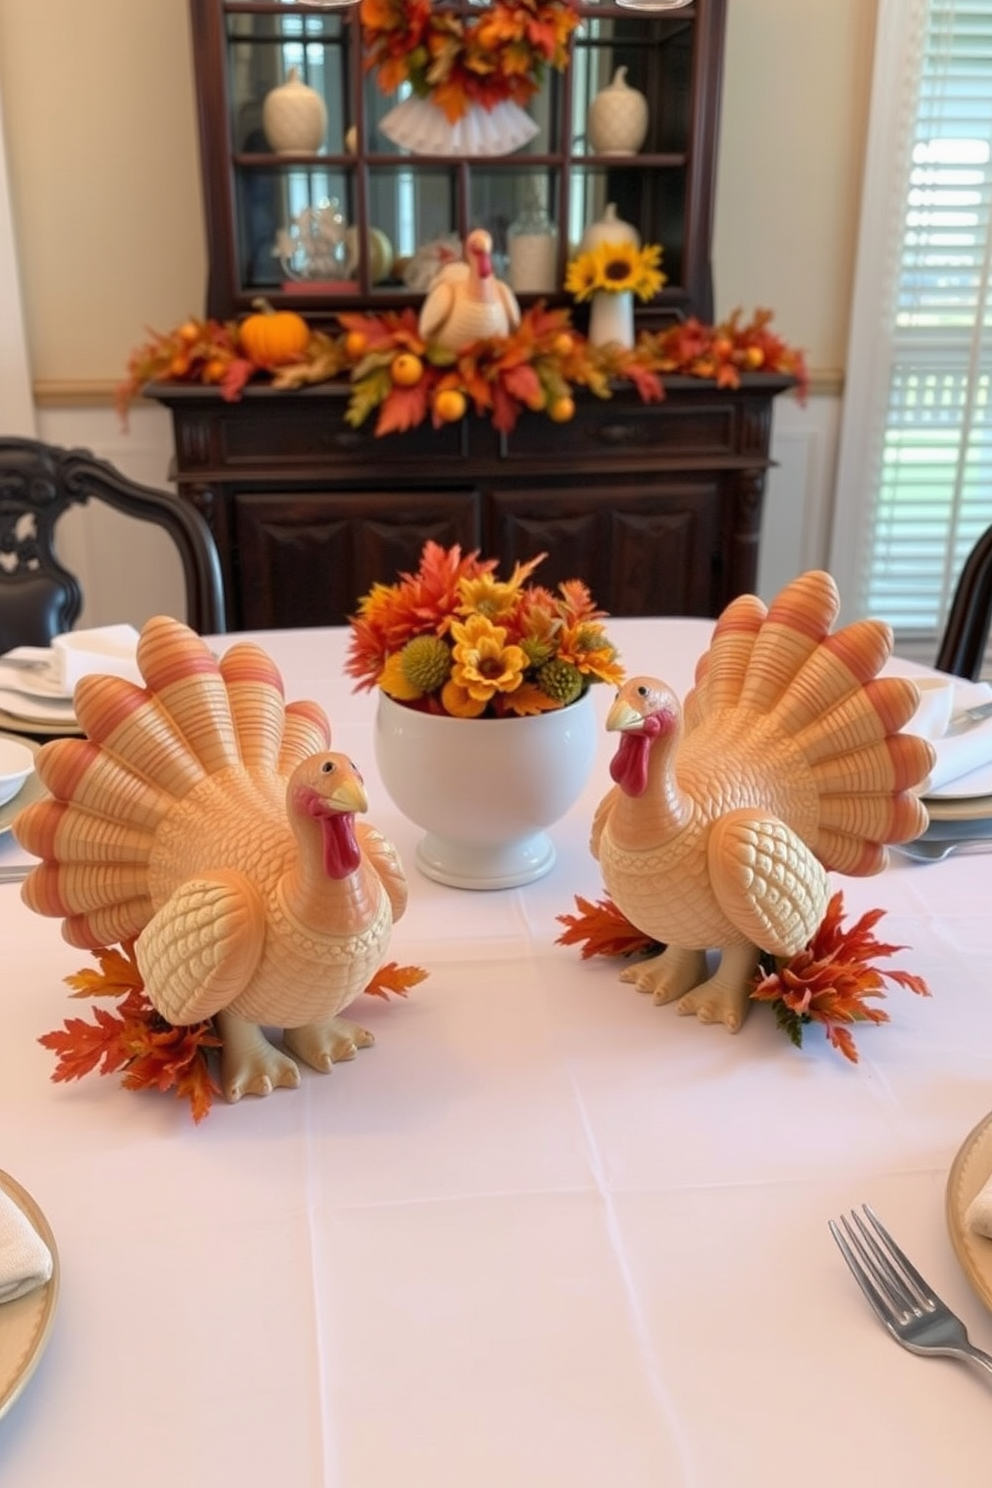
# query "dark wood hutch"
(656, 506)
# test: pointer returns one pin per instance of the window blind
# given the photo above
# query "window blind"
(915, 484)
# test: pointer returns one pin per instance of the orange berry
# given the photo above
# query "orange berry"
(179, 365)
(450, 405)
(355, 344)
(754, 357)
(723, 346)
(564, 345)
(214, 369)
(189, 332)
(407, 369)
(561, 410)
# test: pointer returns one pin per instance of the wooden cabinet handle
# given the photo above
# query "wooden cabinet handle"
(616, 434)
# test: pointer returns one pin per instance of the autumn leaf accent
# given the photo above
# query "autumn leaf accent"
(133, 1037)
(394, 980)
(602, 930)
(153, 1053)
(831, 981)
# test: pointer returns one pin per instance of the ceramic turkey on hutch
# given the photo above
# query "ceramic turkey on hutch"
(656, 506)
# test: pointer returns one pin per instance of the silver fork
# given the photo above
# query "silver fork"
(907, 1305)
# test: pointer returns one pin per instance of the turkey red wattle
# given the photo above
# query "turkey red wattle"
(629, 766)
(342, 854)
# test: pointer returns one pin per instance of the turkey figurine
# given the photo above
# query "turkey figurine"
(466, 302)
(788, 760)
(208, 821)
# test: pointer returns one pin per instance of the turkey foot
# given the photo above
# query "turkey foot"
(669, 975)
(322, 1044)
(725, 997)
(249, 1064)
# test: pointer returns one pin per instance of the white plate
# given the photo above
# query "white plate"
(25, 1325)
(38, 682)
(969, 1171)
(31, 790)
(37, 710)
(967, 809)
(11, 724)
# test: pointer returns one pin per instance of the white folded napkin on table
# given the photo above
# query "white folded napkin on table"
(25, 1259)
(109, 649)
(958, 754)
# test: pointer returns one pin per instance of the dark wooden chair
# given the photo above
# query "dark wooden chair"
(39, 597)
(966, 633)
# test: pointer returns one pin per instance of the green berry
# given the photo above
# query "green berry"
(561, 681)
(426, 663)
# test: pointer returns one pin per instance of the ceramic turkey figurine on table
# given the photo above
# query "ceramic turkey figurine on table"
(466, 302)
(209, 819)
(786, 761)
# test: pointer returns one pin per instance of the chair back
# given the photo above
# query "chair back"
(39, 597)
(966, 633)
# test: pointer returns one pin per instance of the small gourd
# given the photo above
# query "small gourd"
(271, 338)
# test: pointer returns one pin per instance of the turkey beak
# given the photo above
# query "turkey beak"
(622, 716)
(349, 795)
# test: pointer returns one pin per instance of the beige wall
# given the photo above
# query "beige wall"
(101, 142)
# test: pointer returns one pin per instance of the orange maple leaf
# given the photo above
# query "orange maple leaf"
(395, 979)
(604, 930)
(404, 408)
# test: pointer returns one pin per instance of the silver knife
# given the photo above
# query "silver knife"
(967, 717)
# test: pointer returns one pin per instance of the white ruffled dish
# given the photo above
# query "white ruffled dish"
(26, 1324)
(417, 124)
(969, 1173)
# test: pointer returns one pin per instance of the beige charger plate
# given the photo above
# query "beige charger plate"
(31, 790)
(25, 1325)
(969, 1172)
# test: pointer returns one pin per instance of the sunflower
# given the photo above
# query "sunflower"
(616, 267)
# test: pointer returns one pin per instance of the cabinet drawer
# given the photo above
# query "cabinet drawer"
(316, 433)
(611, 430)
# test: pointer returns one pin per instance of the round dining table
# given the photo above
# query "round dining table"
(543, 1234)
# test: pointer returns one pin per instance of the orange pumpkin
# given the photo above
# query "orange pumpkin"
(271, 338)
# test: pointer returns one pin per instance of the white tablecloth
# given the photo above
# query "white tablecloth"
(543, 1235)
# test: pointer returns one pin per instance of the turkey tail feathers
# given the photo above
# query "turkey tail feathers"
(105, 836)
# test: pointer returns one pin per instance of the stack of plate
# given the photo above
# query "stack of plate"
(963, 807)
(32, 701)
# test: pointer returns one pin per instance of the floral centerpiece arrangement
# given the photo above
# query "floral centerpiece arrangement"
(454, 638)
(498, 55)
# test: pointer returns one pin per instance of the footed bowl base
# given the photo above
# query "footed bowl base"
(486, 865)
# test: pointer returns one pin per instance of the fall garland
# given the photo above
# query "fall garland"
(404, 380)
(498, 55)
(828, 983)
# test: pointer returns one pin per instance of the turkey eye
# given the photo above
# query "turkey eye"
(642, 692)
(327, 767)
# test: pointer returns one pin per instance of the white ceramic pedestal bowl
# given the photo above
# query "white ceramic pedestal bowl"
(485, 789)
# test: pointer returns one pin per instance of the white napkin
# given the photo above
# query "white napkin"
(959, 754)
(109, 649)
(25, 1259)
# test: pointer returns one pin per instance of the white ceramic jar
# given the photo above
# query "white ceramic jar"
(294, 117)
(618, 118)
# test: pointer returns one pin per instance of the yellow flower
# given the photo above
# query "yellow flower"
(484, 663)
(492, 597)
(459, 702)
(394, 681)
(586, 646)
(616, 267)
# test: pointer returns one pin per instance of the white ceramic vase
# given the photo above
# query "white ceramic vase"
(294, 117)
(618, 118)
(485, 789)
(611, 318)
